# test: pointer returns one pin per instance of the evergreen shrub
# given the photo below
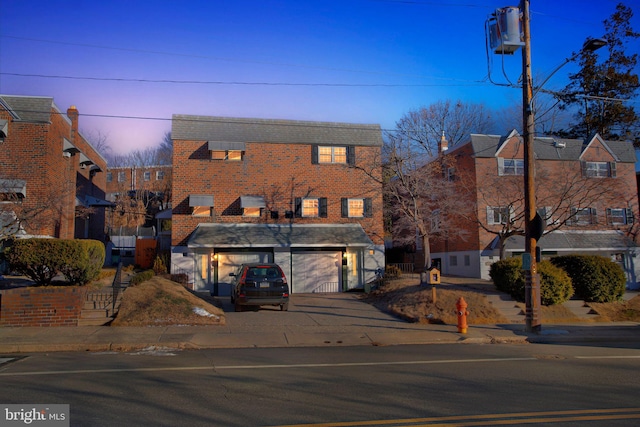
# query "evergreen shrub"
(595, 278)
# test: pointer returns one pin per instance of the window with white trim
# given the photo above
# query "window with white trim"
(310, 207)
(497, 215)
(599, 169)
(510, 166)
(330, 154)
(356, 208)
(584, 216)
(159, 175)
(109, 176)
(620, 216)
(121, 176)
(146, 175)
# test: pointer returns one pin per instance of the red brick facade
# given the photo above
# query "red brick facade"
(563, 186)
(280, 173)
(44, 148)
(220, 163)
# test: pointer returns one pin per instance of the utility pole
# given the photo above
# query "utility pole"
(532, 278)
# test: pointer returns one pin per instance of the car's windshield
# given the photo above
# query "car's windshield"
(269, 272)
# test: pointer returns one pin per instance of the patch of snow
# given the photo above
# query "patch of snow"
(202, 312)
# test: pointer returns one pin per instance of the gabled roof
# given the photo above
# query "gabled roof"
(551, 148)
(36, 109)
(227, 129)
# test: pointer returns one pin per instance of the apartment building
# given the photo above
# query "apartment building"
(586, 195)
(306, 195)
(52, 180)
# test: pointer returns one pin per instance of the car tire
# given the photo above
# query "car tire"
(284, 307)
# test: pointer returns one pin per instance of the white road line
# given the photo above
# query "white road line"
(279, 366)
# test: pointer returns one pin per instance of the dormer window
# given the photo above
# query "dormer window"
(229, 151)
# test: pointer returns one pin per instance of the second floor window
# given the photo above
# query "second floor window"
(584, 216)
(230, 155)
(619, 216)
(311, 207)
(159, 175)
(356, 208)
(329, 154)
(510, 166)
(121, 176)
(109, 176)
(146, 176)
(497, 214)
(599, 169)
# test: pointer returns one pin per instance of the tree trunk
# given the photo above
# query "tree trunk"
(426, 250)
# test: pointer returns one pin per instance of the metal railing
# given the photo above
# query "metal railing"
(406, 269)
(116, 287)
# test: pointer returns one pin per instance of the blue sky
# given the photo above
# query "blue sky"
(360, 61)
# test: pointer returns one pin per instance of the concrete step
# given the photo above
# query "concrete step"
(507, 307)
(580, 309)
(95, 313)
(94, 322)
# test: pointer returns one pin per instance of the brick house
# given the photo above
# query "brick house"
(297, 193)
(51, 177)
(585, 188)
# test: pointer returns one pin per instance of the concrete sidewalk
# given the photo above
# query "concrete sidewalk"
(313, 320)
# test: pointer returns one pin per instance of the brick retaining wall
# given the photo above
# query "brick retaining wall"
(41, 306)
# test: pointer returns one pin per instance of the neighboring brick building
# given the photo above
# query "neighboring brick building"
(138, 192)
(51, 177)
(588, 188)
(291, 192)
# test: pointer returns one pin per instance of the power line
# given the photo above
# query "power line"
(204, 82)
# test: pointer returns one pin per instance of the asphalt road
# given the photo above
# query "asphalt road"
(462, 385)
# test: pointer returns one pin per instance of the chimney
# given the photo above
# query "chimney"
(443, 144)
(73, 114)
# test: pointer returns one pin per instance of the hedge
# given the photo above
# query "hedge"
(42, 259)
(555, 284)
(595, 278)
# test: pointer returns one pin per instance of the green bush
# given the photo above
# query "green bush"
(142, 277)
(595, 278)
(555, 284)
(85, 259)
(508, 277)
(80, 261)
(38, 259)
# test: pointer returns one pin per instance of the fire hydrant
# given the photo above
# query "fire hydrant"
(461, 308)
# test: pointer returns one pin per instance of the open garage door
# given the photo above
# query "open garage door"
(316, 272)
(229, 262)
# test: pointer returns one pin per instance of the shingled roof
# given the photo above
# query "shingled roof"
(205, 128)
(35, 109)
(551, 148)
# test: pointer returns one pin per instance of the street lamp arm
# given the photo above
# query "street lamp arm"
(589, 46)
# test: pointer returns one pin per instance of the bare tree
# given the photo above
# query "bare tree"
(418, 189)
(456, 120)
(99, 141)
(421, 198)
(165, 151)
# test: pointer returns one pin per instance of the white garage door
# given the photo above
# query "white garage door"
(229, 262)
(316, 272)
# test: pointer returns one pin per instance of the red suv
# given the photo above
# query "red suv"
(259, 284)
